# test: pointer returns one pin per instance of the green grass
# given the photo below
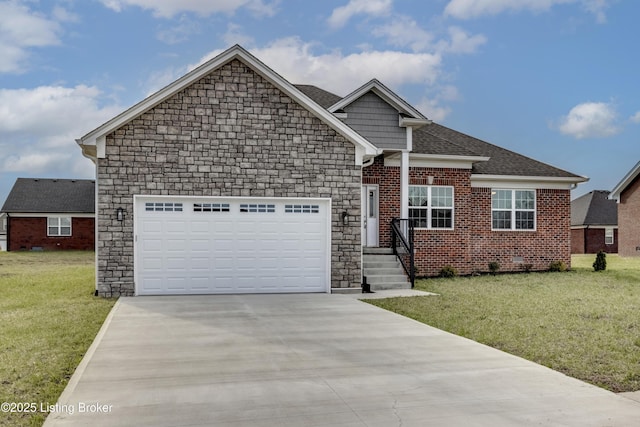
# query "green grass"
(582, 323)
(48, 318)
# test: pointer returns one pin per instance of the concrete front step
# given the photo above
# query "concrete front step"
(383, 270)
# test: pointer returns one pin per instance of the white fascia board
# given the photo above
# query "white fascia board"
(97, 136)
(527, 182)
(624, 183)
(410, 122)
(383, 92)
(435, 161)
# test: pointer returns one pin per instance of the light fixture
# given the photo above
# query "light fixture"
(120, 214)
(345, 218)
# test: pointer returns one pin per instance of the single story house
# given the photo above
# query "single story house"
(50, 214)
(627, 195)
(233, 180)
(594, 223)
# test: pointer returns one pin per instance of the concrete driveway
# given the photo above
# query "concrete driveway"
(311, 360)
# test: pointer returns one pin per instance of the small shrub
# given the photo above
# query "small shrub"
(448, 271)
(558, 266)
(600, 264)
(494, 266)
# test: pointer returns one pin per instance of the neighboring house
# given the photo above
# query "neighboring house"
(3, 231)
(627, 195)
(594, 224)
(50, 214)
(233, 180)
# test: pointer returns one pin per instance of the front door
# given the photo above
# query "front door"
(370, 215)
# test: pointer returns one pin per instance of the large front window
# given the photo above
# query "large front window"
(59, 226)
(513, 209)
(431, 206)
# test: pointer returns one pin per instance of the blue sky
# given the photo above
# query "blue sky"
(556, 80)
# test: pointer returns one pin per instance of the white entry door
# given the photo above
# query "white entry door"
(217, 245)
(370, 213)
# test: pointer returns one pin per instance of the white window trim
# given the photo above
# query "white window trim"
(430, 208)
(513, 210)
(59, 226)
(608, 230)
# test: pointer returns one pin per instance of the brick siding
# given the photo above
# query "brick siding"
(628, 220)
(472, 245)
(231, 133)
(591, 241)
(26, 233)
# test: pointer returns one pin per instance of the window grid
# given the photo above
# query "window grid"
(59, 226)
(301, 208)
(431, 207)
(608, 236)
(513, 210)
(162, 207)
(211, 207)
(257, 208)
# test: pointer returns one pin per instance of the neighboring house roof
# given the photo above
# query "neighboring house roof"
(625, 182)
(93, 144)
(594, 208)
(37, 195)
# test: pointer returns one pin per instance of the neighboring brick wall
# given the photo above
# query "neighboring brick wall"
(591, 241)
(471, 245)
(25, 233)
(230, 134)
(629, 220)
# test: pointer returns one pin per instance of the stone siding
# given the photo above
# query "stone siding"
(232, 133)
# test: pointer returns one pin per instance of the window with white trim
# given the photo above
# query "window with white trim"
(301, 208)
(211, 207)
(431, 207)
(58, 226)
(608, 236)
(163, 207)
(513, 209)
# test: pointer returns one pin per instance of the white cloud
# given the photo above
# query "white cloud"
(341, 15)
(20, 30)
(404, 31)
(38, 128)
(235, 35)
(180, 32)
(590, 120)
(468, 9)
(636, 117)
(461, 41)
(169, 8)
(341, 74)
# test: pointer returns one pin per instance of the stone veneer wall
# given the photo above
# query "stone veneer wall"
(471, 245)
(231, 133)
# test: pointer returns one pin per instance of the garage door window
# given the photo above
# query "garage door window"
(301, 208)
(163, 207)
(211, 207)
(258, 208)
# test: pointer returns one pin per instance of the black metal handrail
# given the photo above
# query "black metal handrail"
(402, 238)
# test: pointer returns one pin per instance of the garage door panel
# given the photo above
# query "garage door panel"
(196, 246)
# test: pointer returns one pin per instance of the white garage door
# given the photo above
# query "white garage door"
(231, 245)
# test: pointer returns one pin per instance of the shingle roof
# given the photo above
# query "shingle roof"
(320, 96)
(437, 139)
(37, 195)
(594, 208)
(501, 161)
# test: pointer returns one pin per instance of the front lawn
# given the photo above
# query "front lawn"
(582, 323)
(48, 318)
